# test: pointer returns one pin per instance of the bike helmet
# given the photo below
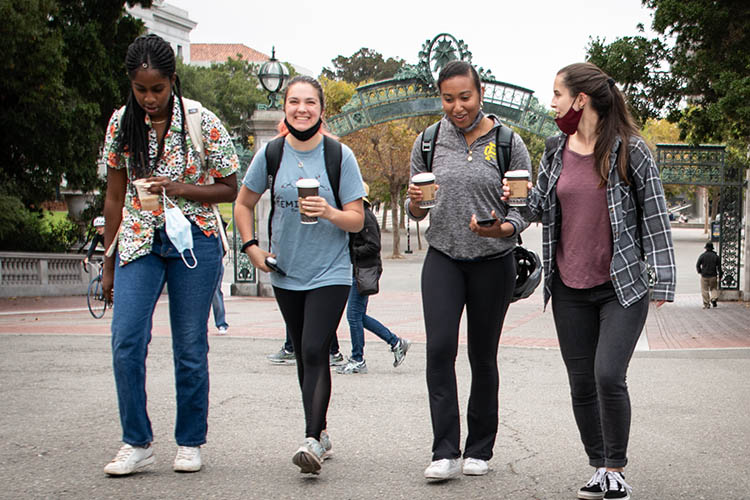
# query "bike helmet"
(528, 272)
(99, 221)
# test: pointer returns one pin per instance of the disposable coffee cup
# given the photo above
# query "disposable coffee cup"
(305, 188)
(518, 182)
(149, 201)
(425, 182)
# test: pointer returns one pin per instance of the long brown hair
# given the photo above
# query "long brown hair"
(614, 117)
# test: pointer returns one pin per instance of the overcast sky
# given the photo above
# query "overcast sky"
(523, 42)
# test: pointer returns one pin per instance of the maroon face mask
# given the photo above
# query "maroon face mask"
(568, 123)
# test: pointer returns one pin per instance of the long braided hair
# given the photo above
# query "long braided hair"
(147, 51)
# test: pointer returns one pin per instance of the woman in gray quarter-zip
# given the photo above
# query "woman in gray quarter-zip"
(467, 265)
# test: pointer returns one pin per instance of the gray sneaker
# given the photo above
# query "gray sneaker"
(335, 359)
(282, 357)
(309, 456)
(399, 351)
(325, 442)
(352, 366)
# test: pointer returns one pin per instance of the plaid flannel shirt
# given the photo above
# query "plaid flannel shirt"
(651, 237)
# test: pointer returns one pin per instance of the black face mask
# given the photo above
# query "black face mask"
(305, 134)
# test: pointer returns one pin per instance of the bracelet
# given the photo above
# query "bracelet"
(248, 244)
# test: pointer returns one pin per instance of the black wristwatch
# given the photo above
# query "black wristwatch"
(248, 244)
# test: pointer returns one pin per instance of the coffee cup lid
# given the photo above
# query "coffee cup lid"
(517, 173)
(308, 183)
(424, 177)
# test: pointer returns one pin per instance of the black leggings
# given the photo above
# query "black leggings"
(312, 317)
(597, 338)
(485, 288)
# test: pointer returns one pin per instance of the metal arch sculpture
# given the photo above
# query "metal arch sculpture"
(705, 165)
(412, 92)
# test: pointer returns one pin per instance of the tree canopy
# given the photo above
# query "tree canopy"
(704, 51)
(63, 75)
(363, 65)
(230, 89)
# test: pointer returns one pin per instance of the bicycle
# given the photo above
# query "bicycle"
(95, 298)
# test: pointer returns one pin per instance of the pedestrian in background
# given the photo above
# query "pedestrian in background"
(98, 224)
(285, 355)
(176, 243)
(466, 266)
(709, 267)
(366, 248)
(601, 203)
(312, 292)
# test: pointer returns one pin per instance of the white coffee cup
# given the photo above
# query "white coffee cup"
(149, 201)
(305, 188)
(518, 182)
(426, 182)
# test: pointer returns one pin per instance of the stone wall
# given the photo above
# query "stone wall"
(27, 274)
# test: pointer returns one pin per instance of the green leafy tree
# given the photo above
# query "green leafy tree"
(337, 94)
(363, 65)
(230, 89)
(383, 152)
(707, 57)
(63, 75)
(634, 61)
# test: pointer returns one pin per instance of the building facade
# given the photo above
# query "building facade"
(169, 22)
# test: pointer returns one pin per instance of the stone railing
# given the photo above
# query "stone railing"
(42, 274)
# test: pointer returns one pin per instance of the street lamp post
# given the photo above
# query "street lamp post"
(273, 76)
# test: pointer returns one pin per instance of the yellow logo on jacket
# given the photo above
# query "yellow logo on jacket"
(490, 152)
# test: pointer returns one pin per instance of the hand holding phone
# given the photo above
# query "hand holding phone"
(271, 263)
(486, 222)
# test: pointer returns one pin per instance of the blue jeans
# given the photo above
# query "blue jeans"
(356, 314)
(138, 286)
(220, 313)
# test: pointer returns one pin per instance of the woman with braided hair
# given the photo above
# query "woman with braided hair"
(176, 243)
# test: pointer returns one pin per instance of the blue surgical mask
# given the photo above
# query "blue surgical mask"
(178, 230)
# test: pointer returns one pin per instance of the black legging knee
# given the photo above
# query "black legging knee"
(312, 317)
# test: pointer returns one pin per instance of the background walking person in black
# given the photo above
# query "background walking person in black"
(709, 267)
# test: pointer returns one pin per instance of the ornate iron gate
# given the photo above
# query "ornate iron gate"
(706, 166)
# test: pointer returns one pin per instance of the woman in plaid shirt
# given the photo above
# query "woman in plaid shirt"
(605, 220)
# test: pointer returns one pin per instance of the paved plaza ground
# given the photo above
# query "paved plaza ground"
(688, 380)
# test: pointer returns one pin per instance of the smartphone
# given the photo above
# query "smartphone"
(271, 263)
(486, 222)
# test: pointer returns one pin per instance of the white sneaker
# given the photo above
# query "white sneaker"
(222, 330)
(130, 459)
(475, 467)
(188, 459)
(446, 468)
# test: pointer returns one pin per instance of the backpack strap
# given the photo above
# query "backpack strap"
(193, 113)
(504, 143)
(332, 155)
(429, 137)
(274, 151)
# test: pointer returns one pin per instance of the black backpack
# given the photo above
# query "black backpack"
(331, 154)
(503, 141)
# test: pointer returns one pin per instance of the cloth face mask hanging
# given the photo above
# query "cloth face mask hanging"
(178, 230)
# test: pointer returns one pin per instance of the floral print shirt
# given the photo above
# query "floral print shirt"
(138, 226)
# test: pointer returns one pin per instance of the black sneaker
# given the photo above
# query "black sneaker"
(616, 487)
(713, 303)
(594, 489)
